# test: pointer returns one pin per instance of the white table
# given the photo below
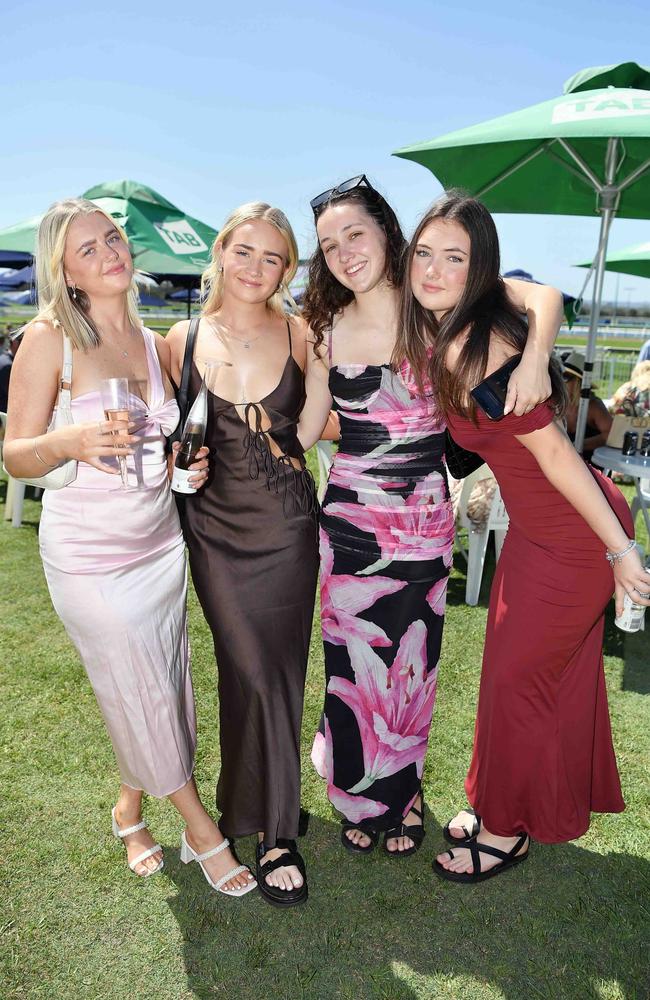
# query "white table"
(635, 466)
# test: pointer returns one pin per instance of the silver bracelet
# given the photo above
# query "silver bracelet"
(615, 557)
(40, 457)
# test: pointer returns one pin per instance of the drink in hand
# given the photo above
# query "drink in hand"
(191, 443)
(116, 415)
(194, 430)
(115, 400)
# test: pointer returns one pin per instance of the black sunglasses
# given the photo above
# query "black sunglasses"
(354, 182)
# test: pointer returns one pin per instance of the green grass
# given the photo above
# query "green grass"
(623, 343)
(572, 923)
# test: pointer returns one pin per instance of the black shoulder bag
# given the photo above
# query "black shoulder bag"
(183, 404)
(459, 461)
(184, 388)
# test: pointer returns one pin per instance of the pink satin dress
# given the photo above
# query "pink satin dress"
(115, 566)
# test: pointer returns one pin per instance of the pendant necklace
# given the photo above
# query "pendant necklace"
(240, 340)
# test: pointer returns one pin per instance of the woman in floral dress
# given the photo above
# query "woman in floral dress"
(387, 525)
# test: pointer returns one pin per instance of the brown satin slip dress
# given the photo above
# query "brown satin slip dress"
(253, 548)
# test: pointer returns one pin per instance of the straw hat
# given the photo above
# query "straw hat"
(574, 364)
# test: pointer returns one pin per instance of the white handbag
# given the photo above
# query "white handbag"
(65, 473)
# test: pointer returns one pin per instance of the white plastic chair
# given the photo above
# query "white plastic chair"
(324, 454)
(478, 536)
(15, 495)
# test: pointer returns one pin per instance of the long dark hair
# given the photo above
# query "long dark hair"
(482, 309)
(325, 296)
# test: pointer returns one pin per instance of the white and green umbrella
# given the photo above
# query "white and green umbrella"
(165, 242)
(584, 153)
(630, 260)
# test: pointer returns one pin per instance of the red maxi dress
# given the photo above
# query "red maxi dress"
(543, 758)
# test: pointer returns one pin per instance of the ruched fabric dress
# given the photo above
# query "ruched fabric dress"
(252, 540)
(387, 531)
(115, 566)
(543, 758)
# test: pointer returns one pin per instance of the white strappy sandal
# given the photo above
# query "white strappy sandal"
(120, 834)
(189, 854)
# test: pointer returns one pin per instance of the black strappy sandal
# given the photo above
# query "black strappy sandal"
(469, 834)
(415, 833)
(356, 848)
(272, 894)
(508, 859)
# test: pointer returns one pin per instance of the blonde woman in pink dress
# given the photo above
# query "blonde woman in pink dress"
(114, 558)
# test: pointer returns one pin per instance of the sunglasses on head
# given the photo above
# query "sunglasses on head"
(350, 185)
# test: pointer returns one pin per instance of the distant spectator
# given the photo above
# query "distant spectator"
(599, 419)
(6, 361)
(644, 353)
(633, 397)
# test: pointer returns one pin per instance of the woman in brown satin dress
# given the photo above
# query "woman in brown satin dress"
(252, 535)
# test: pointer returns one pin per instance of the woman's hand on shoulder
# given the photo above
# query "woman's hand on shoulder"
(529, 384)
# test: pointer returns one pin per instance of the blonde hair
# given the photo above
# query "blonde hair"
(56, 304)
(640, 377)
(212, 277)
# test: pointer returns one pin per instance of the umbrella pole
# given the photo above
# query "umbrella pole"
(608, 203)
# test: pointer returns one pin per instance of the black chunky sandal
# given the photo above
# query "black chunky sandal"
(507, 859)
(416, 833)
(273, 894)
(356, 848)
(474, 830)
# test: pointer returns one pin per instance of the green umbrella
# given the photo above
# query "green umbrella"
(20, 238)
(163, 240)
(584, 153)
(631, 260)
(628, 74)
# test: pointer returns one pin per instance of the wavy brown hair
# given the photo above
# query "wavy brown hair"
(326, 297)
(482, 310)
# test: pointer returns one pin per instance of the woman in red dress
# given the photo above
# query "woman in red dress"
(543, 758)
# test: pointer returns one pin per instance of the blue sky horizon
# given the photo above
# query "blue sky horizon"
(214, 107)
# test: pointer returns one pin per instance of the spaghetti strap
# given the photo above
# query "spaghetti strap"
(329, 346)
(156, 394)
(290, 344)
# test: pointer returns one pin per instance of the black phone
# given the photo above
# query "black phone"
(490, 394)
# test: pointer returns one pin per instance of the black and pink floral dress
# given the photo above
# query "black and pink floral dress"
(386, 539)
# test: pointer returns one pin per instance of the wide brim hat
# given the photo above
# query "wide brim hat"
(574, 364)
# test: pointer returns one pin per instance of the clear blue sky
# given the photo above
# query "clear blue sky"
(216, 104)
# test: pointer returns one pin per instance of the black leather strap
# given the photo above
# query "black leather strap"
(476, 849)
(188, 357)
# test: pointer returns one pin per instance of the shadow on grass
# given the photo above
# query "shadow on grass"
(558, 926)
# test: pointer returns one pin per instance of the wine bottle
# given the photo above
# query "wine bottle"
(191, 441)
